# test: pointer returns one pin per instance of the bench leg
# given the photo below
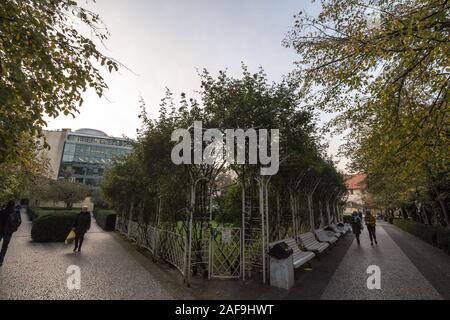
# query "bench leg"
(317, 255)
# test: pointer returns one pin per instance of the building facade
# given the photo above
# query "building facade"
(358, 198)
(83, 155)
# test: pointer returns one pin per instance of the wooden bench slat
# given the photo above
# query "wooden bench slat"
(299, 257)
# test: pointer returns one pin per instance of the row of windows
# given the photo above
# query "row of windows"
(72, 150)
(86, 159)
(68, 171)
(89, 181)
(112, 142)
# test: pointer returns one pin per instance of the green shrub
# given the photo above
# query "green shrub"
(54, 209)
(39, 212)
(106, 219)
(428, 234)
(348, 219)
(443, 239)
(31, 213)
(433, 235)
(52, 227)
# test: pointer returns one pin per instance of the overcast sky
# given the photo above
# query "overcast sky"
(164, 42)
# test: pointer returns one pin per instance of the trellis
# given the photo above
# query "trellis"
(273, 208)
(254, 223)
(282, 207)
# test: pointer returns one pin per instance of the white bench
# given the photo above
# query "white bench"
(336, 229)
(299, 257)
(346, 226)
(323, 236)
(343, 230)
(310, 243)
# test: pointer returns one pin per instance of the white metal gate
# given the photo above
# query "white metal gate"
(225, 253)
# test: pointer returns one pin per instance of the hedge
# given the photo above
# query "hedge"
(436, 236)
(31, 214)
(443, 239)
(106, 219)
(348, 219)
(34, 213)
(52, 226)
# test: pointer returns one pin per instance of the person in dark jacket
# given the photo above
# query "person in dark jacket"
(7, 219)
(356, 226)
(81, 225)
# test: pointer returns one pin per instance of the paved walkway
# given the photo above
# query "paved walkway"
(410, 269)
(110, 269)
(400, 278)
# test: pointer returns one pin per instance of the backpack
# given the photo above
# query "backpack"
(14, 220)
(356, 220)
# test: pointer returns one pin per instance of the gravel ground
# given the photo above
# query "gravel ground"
(109, 270)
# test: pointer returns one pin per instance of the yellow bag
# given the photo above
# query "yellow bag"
(70, 237)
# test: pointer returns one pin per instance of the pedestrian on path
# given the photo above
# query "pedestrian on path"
(356, 225)
(10, 221)
(371, 224)
(81, 225)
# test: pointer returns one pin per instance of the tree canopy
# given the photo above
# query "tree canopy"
(383, 66)
(46, 64)
(149, 181)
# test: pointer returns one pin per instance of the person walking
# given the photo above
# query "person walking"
(370, 221)
(10, 220)
(356, 226)
(81, 225)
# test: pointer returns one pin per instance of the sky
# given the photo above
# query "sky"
(165, 42)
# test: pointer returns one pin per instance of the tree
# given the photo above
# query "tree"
(66, 191)
(229, 205)
(148, 179)
(383, 66)
(46, 64)
(21, 175)
(99, 200)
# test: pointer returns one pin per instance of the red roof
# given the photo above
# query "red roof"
(355, 181)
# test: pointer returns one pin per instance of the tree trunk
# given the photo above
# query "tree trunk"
(445, 212)
(403, 212)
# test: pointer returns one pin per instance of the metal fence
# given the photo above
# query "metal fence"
(172, 248)
(226, 253)
(148, 238)
(164, 244)
(122, 225)
(223, 246)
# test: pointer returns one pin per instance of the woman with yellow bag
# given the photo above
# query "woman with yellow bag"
(81, 225)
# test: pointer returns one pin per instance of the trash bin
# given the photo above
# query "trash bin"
(281, 265)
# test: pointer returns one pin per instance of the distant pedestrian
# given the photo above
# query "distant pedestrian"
(10, 221)
(81, 225)
(371, 222)
(356, 225)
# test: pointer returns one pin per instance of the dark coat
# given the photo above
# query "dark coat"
(5, 214)
(82, 222)
(356, 225)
